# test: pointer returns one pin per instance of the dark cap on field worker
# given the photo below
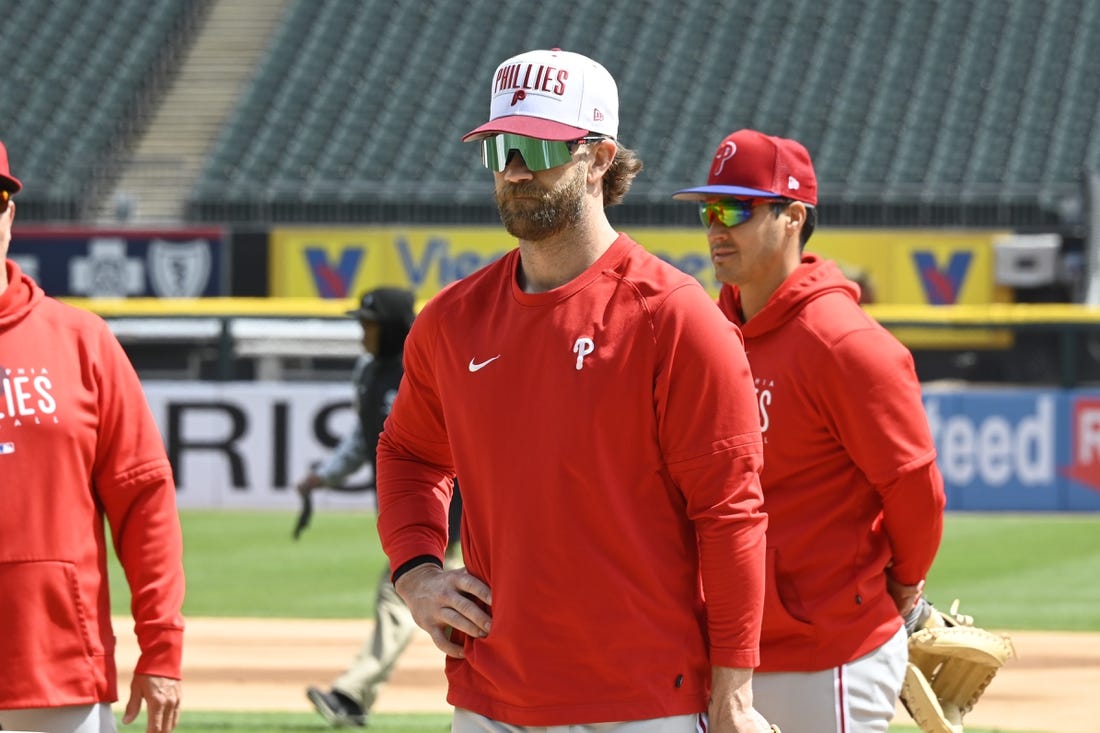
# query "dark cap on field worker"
(750, 164)
(386, 305)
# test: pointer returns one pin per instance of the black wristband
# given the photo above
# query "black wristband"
(415, 562)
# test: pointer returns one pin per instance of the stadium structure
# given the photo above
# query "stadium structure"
(249, 114)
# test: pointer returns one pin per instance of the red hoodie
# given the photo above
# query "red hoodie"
(850, 480)
(77, 443)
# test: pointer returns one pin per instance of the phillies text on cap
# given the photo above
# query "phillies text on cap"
(551, 95)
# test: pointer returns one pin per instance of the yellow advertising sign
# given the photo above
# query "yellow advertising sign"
(924, 267)
(917, 267)
(341, 263)
(903, 266)
(920, 267)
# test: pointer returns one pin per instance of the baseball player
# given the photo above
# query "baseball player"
(853, 495)
(78, 445)
(385, 314)
(563, 383)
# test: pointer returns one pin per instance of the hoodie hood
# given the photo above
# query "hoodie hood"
(812, 279)
(20, 297)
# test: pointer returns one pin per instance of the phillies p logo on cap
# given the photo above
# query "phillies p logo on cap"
(750, 164)
(724, 153)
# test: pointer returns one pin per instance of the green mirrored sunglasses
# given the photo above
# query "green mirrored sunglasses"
(539, 155)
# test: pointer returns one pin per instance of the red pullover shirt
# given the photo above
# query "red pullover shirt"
(77, 443)
(608, 445)
(850, 480)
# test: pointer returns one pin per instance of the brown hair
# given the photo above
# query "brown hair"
(619, 177)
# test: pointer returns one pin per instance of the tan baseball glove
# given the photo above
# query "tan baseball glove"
(951, 662)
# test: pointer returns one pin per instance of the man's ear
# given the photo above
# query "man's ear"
(603, 155)
(796, 216)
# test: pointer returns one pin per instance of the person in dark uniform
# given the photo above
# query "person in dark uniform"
(386, 315)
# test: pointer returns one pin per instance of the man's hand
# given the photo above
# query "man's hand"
(309, 483)
(305, 488)
(731, 709)
(163, 697)
(444, 599)
(905, 596)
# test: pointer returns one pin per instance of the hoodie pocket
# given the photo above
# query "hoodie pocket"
(44, 640)
(779, 623)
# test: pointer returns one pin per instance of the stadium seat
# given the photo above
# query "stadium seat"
(86, 75)
(365, 100)
(888, 97)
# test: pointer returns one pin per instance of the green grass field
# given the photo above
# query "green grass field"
(381, 723)
(199, 722)
(1011, 571)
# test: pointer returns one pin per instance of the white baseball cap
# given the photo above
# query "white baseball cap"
(551, 95)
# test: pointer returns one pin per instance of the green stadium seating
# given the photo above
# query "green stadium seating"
(81, 77)
(362, 102)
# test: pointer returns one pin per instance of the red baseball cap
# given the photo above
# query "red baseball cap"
(751, 164)
(7, 180)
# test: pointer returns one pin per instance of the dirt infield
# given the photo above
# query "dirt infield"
(265, 664)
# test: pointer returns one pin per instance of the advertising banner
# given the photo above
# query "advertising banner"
(920, 267)
(340, 263)
(246, 444)
(1017, 449)
(913, 267)
(909, 267)
(106, 263)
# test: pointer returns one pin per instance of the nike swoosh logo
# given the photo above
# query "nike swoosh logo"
(474, 366)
